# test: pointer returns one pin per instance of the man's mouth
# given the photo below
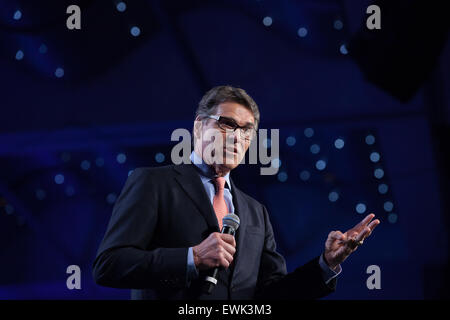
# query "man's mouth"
(231, 150)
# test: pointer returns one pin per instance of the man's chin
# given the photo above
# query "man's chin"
(230, 166)
(231, 162)
(228, 162)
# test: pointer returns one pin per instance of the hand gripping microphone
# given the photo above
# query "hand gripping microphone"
(230, 223)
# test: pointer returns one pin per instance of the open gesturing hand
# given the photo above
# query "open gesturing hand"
(340, 245)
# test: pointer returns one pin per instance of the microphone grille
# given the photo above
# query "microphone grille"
(231, 220)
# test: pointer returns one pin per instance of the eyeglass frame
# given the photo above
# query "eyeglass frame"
(217, 118)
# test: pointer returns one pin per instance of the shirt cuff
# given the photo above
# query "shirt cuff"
(192, 272)
(328, 274)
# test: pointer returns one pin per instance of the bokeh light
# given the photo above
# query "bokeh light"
(111, 198)
(388, 206)
(383, 188)
(19, 55)
(339, 143)
(59, 72)
(302, 32)
(282, 176)
(17, 15)
(333, 196)
(392, 218)
(267, 21)
(315, 149)
(276, 163)
(321, 165)
(59, 179)
(135, 31)
(305, 175)
(374, 157)
(121, 158)
(338, 25)
(378, 173)
(360, 208)
(370, 139)
(159, 157)
(309, 132)
(85, 165)
(121, 6)
(290, 141)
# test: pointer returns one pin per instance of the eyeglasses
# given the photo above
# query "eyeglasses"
(226, 123)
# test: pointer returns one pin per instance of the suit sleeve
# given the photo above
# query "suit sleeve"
(305, 282)
(124, 259)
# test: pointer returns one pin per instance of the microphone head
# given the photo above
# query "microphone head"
(232, 221)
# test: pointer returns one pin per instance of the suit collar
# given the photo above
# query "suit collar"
(240, 205)
(241, 210)
(191, 183)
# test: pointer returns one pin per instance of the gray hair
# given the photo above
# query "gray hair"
(221, 94)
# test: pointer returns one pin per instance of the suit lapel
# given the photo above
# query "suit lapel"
(241, 210)
(191, 183)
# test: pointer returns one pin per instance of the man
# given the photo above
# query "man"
(163, 238)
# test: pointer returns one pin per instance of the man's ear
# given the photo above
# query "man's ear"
(197, 127)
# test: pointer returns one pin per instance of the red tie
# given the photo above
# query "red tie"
(219, 204)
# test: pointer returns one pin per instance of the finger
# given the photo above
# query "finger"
(364, 222)
(227, 256)
(215, 237)
(336, 235)
(331, 236)
(228, 238)
(352, 234)
(361, 225)
(228, 247)
(344, 237)
(373, 224)
(363, 234)
(340, 237)
(223, 262)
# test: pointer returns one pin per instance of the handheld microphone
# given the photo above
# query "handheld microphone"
(230, 223)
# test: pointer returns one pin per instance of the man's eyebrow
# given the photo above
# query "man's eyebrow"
(248, 124)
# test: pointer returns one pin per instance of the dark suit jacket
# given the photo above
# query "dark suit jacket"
(163, 211)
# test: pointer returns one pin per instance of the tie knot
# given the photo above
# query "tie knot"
(220, 183)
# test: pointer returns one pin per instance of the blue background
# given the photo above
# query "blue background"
(80, 109)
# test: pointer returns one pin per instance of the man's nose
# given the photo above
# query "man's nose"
(233, 136)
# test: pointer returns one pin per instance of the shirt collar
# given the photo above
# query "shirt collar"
(206, 170)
